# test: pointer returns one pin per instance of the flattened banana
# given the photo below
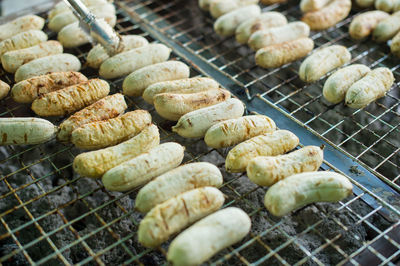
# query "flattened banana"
(46, 65)
(221, 7)
(338, 83)
(371, 87)
(28, 90)
(322, 61)
(300, 190)
(144, 167)
(395, 45)
(136, 82)
(25, 130)
(4, 89)
(95, 163)
(387, 28)
(227, 24)
(280, 54)
(97, 55)
(267, 170)
(12, 60)
(70, 99)
(363, 25)
(22, 40)
(329, 15)
(234, 131)
(277, 35)
(177, 181)
(312, 5)
(106, 108)
(172, 106)
(385, 5)
(100, 134)
(262, 22)
(21, 24)
(208, 236)
(196, 123)
(125, 63)
(189, 85)
(177, 213)
(269, 144)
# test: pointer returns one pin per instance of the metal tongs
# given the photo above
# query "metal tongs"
(98, 31)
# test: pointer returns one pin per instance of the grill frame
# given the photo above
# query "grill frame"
(381, 206)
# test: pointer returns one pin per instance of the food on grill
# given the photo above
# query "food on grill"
(62, 7)
(208, 236)
(175, 214)
(262, 22)
(100, 134)
(144, 168)
(387, 28)
(395, 45)
(227, 24)
(338, 83)
(271, 2)
(280, 54)
(302, 189)
(97, 55)
(48, 64)
(95, 163)
(322, 61)
(365, 3)
(136, 82)
(234, 131)
(22, 40)
(385, 5)
(277, 35)
(70, 99)
(176, 181)
(328, 16)
(371, 87)
(105, 11)
(268, 144)
(28, 90)
(12, 60)
(172, 106)
(196, 123)
(267, 170)
(188, 85)
(21, 24)
(106, 108)
(73, 35)
(4, 89)
(312, 5)
(25, 130)
(125, 63)
(205, 4)
(364, 24)
(220, 7)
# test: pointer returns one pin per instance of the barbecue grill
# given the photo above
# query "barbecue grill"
(51, 216)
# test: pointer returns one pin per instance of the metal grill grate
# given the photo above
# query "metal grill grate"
(369, 135)
(51, 216)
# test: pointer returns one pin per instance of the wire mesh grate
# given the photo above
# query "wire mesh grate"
(51, 216)
(368, 135)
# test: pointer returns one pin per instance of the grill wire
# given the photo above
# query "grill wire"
(51, 216)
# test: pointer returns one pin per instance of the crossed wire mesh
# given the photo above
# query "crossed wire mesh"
(51, 216)
(369, 135)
